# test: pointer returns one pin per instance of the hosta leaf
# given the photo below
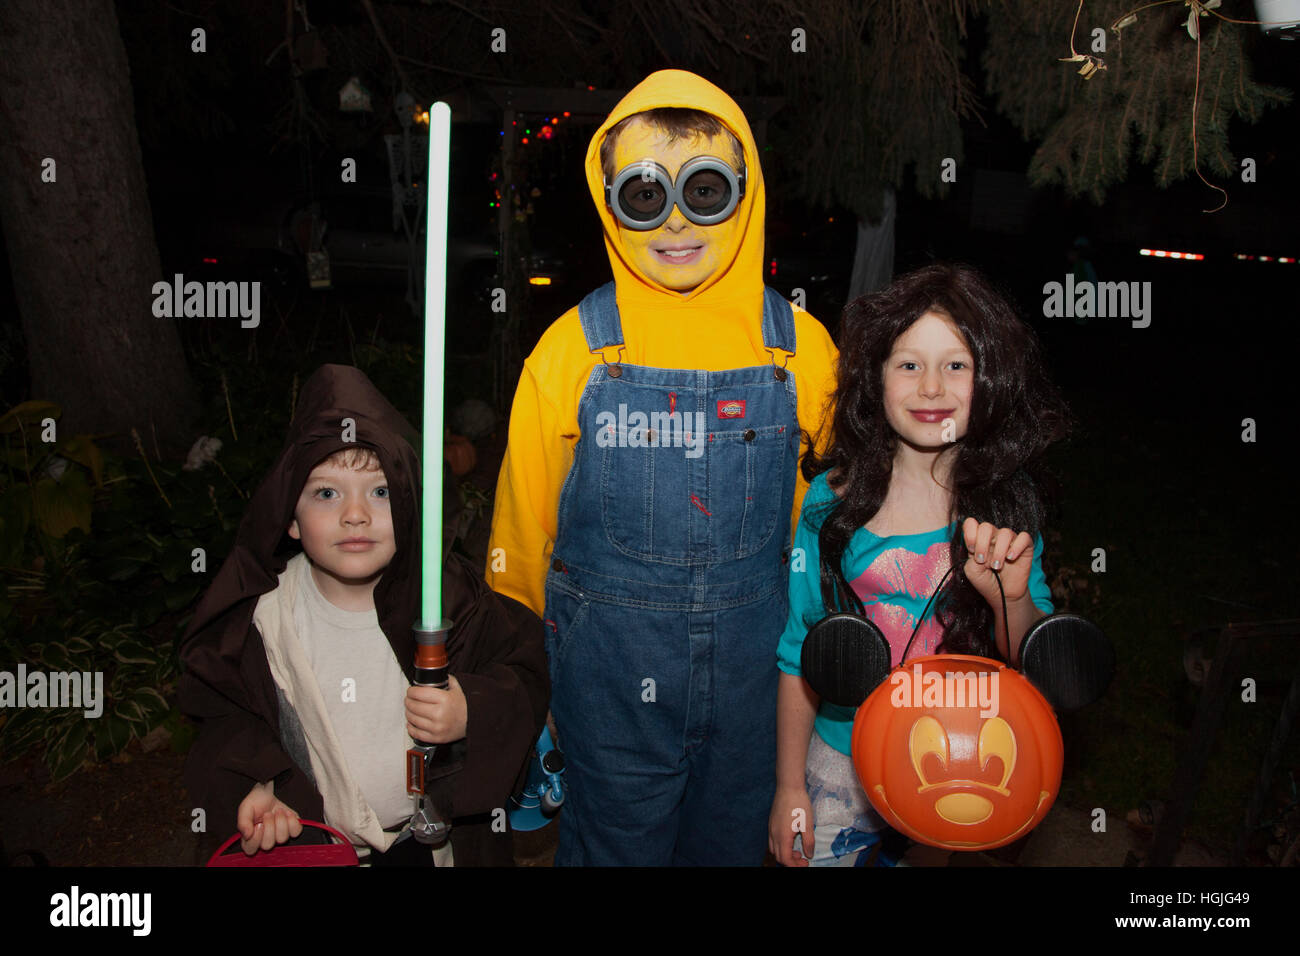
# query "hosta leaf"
(55, 657)
(130, 711)
(28, 413)
(112, 733)
(133, 652)
(60, 723)
(109, 640)
(23, 729)
(69, 753)
(63, 505)
(82, 450)
(152, 703)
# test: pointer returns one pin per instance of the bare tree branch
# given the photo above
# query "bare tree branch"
(392, 55)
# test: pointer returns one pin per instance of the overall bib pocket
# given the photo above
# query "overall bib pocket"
(652, 487)
(746, 479)
(645, 487)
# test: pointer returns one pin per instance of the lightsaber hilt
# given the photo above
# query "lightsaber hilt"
(428, 825)
(431, 654)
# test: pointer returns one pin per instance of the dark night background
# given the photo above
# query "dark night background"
(1198, 526)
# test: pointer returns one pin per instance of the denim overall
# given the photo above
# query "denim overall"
(665, 601)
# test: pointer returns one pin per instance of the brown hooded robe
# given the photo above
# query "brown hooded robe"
(495, 647)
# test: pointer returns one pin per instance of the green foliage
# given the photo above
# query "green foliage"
(39, 484)
(882, 93)
(98, 573)
(1141, 104)
(132, 706)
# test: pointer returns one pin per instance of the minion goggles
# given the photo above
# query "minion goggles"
(643, 195)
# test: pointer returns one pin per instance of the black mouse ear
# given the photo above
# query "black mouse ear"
(844, 658)
(1068, 659)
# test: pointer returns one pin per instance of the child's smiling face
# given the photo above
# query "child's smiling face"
(929, 380)
(345, 522)
(679, 255)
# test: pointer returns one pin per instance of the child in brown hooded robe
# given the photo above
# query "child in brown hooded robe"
(282, 736)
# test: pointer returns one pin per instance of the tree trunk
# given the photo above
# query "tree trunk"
(82, 247)
(873, 259)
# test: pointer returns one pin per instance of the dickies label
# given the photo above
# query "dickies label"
(731, 408)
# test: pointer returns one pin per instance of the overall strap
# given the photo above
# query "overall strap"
(598, 312)
(778, 322)
(601, 327)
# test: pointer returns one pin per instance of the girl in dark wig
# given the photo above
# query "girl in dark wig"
(942, 413)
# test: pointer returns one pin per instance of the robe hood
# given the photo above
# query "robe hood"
(734, 292)
(215, 640)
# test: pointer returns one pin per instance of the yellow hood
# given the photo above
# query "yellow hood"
(733, 294)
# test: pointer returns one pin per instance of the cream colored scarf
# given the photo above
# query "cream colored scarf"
(346, 808)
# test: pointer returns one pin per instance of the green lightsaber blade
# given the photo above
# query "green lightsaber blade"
(435, 313)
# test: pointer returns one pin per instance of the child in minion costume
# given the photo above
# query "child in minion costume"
(650, 484)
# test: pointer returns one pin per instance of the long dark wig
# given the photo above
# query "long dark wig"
(997, 476)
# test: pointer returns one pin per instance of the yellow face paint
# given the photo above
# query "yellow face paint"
(680, 254)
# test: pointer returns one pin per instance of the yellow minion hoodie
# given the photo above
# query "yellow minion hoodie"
(717, 325)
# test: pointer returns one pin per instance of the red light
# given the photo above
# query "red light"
(555, 119)
(1166, 254)
(1285, 259)
(524, 141)
(209, 260)
(566, 114)
(1265, 258)
(771, 269)
(547, 132)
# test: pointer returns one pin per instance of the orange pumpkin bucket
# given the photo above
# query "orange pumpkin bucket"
(958, 752)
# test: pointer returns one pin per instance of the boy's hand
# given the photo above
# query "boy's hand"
(1002, 549)
(781, 826)
(437, 716)
(263, 821)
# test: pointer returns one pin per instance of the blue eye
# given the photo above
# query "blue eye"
(382, 492)
(322, 492)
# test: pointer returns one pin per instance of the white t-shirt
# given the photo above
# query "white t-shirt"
(364, 691)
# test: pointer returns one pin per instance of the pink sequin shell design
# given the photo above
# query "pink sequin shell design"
(898, 575)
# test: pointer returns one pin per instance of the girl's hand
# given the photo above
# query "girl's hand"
(997, 549)
(785, 820)
(435, 715)
(263, 821)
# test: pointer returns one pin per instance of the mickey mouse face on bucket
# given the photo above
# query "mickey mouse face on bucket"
(955, 751)
(952, 775)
